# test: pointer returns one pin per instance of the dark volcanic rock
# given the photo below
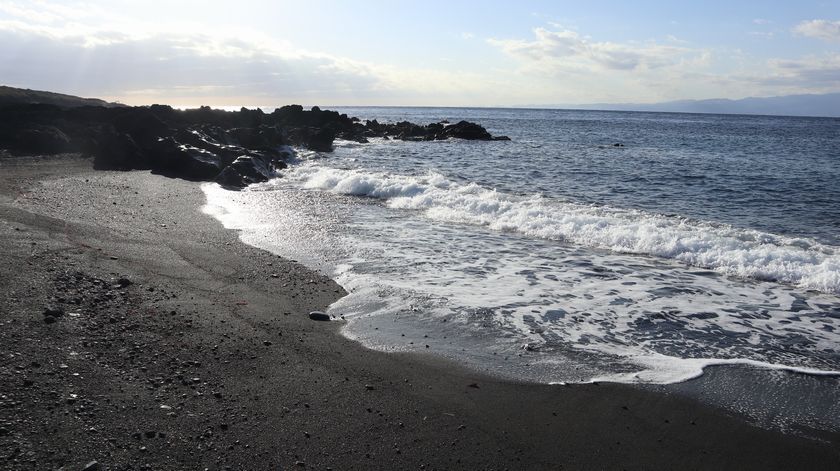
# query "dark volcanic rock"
(319, 316)
(313, 138)
(43, 140)
(408, 131)
(92, 466)
(117, 151)
(259, 138)
(185, 161)
(234, 149)
(246, 170)
(53, 311)
(465, 130)
(142, 125)
(123, 282)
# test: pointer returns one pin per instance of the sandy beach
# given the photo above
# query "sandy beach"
(169, 344)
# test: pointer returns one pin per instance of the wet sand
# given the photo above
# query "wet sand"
(179, 347)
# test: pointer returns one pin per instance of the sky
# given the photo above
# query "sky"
(428, 53)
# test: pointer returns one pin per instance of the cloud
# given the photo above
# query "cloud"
(762, 34)
(566, 51)
(775, 77)
(818, 73)
(819, 29)
(192, 67)
(115, 64)
(649, 71)
(43, 12)
(76, 48)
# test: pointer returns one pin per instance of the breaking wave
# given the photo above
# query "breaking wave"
(728, 250)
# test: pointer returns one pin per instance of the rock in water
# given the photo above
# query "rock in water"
(465, 130)
(319, 316)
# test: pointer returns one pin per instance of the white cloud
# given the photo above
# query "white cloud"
(188, 67)
(76, 48)
(564, 51)
(762, 34)
(776, 77)
(820, 29)
(649, 71)
(44, 12)
(818, 73)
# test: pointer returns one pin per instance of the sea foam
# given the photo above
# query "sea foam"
(728, 250)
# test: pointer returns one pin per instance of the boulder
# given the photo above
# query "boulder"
(142, 125)
(464, 130)
(313, 138)
(319, 316)
(246, 170)
(92, 466)
(174, 159)
(113, 150)
(197, 138)
(259, 138)
(42, 139)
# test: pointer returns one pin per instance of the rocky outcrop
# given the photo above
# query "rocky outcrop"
(407, 131)
(42, 139)
(233, 148)
(248, 169)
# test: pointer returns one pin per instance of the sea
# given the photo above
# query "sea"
(648, 248)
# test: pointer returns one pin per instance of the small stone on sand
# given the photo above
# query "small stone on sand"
(318, 316)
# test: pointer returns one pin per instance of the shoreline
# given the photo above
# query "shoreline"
(272, 386)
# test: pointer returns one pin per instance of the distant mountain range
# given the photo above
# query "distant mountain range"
(827, 105)
(11, 95)
(790, 105)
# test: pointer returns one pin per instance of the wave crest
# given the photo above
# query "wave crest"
(728, 250)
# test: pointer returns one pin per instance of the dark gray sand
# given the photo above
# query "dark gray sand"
(181, 348)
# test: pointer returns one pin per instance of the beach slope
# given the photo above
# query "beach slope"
(138, 333)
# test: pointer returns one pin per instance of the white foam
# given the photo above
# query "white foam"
(396, 266)
(728, 250)
(662, 369)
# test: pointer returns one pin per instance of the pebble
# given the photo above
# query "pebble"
(53, 311)
(318, 316)
(92, 466)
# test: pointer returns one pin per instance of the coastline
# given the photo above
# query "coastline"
(272, 386)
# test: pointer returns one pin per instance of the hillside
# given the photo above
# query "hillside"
(12, 96)
(824, 105)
